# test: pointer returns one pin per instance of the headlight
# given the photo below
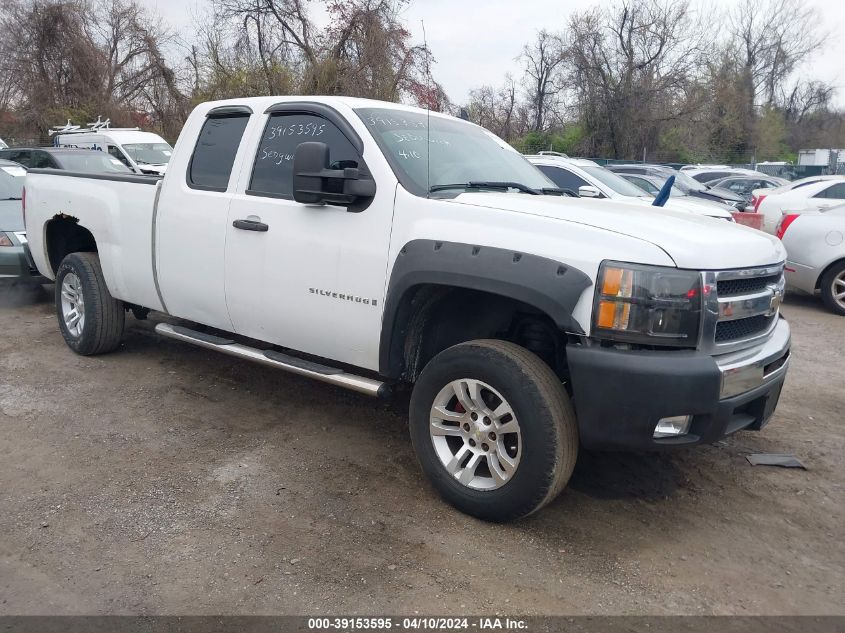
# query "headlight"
(652, 305)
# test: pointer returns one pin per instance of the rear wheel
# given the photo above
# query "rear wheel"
(833, 288)
(90, 319)
(493, 429)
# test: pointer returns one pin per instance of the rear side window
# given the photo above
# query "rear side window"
(40, 160)
(837, 191)
(563, 178)
(214, 154)
(272, 174)
(21, 157)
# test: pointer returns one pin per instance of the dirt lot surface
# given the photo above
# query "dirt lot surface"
(168, 479)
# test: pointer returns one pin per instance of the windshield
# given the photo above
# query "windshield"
(685, 183)
(149, 153)
(614, 181)
(11, 182)
(92, 162)
(460, 152)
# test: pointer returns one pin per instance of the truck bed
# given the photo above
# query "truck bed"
(118, 209)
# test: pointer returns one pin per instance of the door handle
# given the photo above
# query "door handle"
(251, 225)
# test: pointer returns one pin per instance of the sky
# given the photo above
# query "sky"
(475, 42)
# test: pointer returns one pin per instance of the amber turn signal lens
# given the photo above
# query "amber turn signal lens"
(612, 281)
(607, 311)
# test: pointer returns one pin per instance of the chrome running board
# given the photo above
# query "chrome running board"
(278, 360)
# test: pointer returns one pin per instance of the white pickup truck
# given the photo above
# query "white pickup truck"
(368, 244)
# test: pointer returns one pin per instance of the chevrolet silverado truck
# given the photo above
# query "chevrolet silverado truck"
(367, 244)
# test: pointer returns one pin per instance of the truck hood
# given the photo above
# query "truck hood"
(700, 206)
(691, 240)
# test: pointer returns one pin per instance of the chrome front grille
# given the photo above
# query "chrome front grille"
(730, 287)
(740, 308)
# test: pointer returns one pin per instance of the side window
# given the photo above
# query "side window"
(22, 157)
(272, 173)
(644, 184)
(836, 191)
(214, 154)
(563, 178)
(119, 155)
(39, 160)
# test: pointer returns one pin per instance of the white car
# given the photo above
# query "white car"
(708, 173)
(807, 194)
(366, 244)
(815, 246)
(590, 180)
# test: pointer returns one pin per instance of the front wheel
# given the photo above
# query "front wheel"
(91, 320)
(493, 429)
(833, 288)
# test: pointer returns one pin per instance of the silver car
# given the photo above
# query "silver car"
(815, 246)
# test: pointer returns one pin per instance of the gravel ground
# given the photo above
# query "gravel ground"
(168, 479)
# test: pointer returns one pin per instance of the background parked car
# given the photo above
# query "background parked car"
(708, 173)
(798, 197)
(590, 180)
(14, 260)
(745, 185)
(653, 184)
(81, 160)
(683, 182)
(815, 245)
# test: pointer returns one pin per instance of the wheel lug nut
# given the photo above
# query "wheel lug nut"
(486, 420)
(492, 436)
(466, 427)
(484, 447)
(472, 442)
(474, 416)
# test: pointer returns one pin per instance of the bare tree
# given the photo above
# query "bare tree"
(633, 68)
(770, 39)
(542, 60)
(83, 58)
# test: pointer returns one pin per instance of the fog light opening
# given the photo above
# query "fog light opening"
(674, 426)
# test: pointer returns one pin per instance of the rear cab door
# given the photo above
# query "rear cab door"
(190, 221)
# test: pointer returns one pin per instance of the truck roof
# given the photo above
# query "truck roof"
(259, 104)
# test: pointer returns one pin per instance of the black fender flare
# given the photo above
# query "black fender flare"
(545, 284)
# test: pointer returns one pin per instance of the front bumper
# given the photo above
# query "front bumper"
(620, 396)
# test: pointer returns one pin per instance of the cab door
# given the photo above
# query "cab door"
(307, 277)
(192, 218)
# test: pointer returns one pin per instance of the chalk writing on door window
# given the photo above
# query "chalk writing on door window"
(276, 157)
(295, 129)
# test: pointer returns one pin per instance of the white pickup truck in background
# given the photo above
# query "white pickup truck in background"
(368, 243)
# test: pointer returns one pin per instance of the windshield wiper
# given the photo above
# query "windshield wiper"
(486, 185)
(558, 191)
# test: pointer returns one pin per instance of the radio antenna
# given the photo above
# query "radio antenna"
(427, 113)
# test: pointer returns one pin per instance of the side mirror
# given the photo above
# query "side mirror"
(588, 191)
(315, 183)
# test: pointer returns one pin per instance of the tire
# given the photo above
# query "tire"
(102, 316)
(509, 378)
(831, 284)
